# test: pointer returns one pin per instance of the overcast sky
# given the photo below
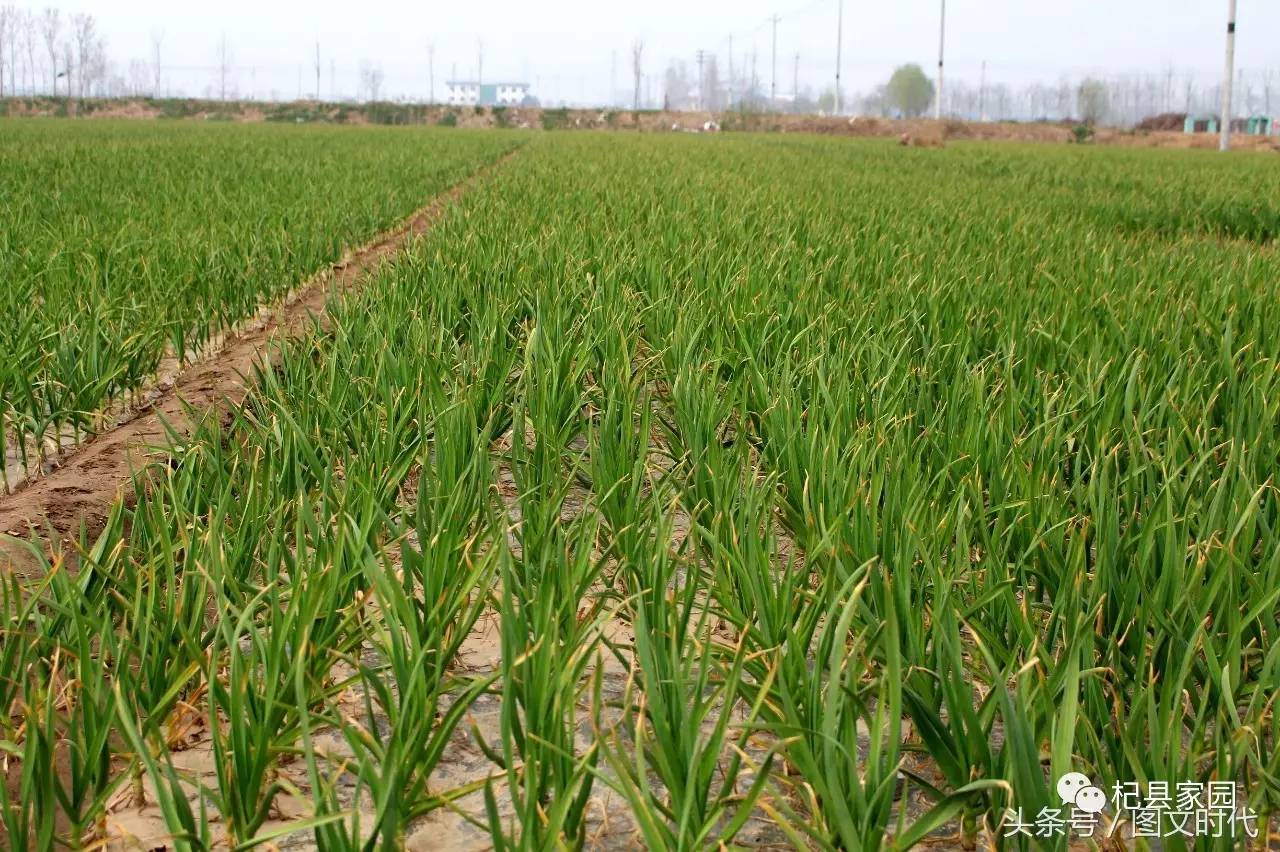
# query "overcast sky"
(567, 48)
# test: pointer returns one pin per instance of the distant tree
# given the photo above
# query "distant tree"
(68, 63)
(157, 43)
(677, 88)
(877, 102)
(49, 26)
(805, 104)
(15, 31)
(711, 86)
(371, 77)
(5, 26)
(909, 91)
(637, 66)
(431, 71)
(827, 101)
(1093, 99)
(224, 65)
(11, 36)
(84, 28)
(998, 97)
(139, 77)
(30, 29)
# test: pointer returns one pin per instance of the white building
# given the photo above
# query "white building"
(474, 93)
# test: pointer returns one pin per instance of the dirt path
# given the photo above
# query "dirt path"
(83, 489)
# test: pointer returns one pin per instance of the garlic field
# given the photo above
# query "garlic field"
(124, 244)
(673, 492)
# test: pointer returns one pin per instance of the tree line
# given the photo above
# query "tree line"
(46, 52)
(1121, 100)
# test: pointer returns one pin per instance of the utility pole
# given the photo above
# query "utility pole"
(942, 43)
(613, 79)
(1224, 142)
(318, 66)
(839, 50)
(773, 83)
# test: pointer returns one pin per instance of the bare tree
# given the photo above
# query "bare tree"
(157, 67)
(755, 78)
(371, 78)
(139, 77)
(11, 46)
(100, 68)
(224, 65)
(677, 91)
(710, 85)
(1093, 99)
(84, 29)
(49, 26)
(29, 27)
(68, 60)
(6, 14)
(637, 67)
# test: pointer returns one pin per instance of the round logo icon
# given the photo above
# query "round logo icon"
(1091, 800)
(1070, 785)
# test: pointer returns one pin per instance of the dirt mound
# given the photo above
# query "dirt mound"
(921, 130)
(1178, 139)
(126, 109)
(928, 137)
